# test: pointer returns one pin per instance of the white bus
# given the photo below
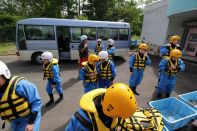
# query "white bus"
(62, 37)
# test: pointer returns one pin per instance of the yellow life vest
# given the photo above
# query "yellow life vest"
(168, 54)
(106, 72)
(171, 72)
(87, 104)
(47, 70)
(147, 119)
(139, 63)
(98, 48)
(11, 105)
(88, 73)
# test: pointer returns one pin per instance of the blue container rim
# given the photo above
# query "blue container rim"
(181, 97)
(187, 93)
(179, 101)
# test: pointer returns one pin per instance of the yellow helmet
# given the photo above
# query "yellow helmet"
(119, 101)
(176, 53)
(92, 58)
(143, 46)
(174, 37)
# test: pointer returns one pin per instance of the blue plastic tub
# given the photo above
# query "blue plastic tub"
(165, 129)
(176, 113)
(190, 99)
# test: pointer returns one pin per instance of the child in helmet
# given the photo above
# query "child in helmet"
(170, 67)
(20, 103)
(83, 49)
(88, 73)
(137, 64)
(99, 47)
(106, 70)
(111, 49)
(100, 109)
(52, 74)
(166, 49)
(174, 44)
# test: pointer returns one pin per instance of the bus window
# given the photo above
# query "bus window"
(76, 33)
(21, 38)
(106, 33)
(90, 32)
(37, 32)
(123, 34)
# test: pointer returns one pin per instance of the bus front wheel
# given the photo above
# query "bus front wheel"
(36, 58)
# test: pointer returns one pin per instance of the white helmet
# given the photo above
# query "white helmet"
(4, 70)
(83, 37)
(111, 42)
(98, 40)
(103, 55)
(47, 56)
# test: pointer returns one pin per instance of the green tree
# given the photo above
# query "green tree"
(7, 27)
(110, 10)
(127, 11)
(8, 6)
(98, 9)
(70, 8)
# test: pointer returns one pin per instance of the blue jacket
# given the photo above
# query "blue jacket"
(56, 74)
(29, 91)
(165, 51)
(163, 65)
(111, 51)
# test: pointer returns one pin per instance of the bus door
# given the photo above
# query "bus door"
(63, 41)
(75, 41)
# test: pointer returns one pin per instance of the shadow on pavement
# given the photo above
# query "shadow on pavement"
(61, 128)
(119, 61)
(68, 65)
(20, 67)
(44, 110)
(69, 83)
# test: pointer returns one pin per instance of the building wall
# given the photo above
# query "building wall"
(155, 25)
(166, 18)
(174, 28)
(179, 6)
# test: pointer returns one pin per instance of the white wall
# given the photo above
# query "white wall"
(155, 23)
(174, 28)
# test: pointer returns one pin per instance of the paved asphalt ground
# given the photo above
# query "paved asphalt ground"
(55, 117)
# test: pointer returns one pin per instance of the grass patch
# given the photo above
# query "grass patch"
(7, 48)
(135, 37)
